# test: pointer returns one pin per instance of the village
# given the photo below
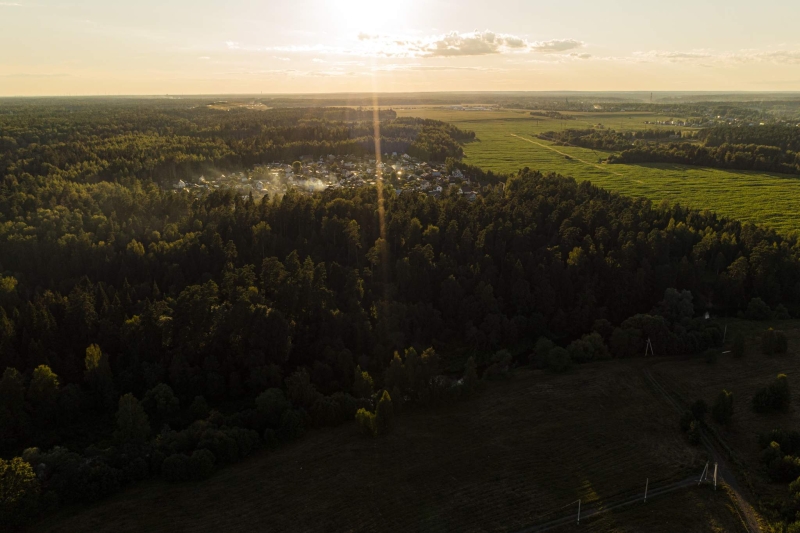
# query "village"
(405, 174)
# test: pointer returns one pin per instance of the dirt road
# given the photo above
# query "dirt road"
(725, 473)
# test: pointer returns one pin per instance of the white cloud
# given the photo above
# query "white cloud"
(453, 44)
(204, 57)
(556, 45)
(10, 4)
(705, 57)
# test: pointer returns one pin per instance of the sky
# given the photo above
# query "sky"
(156, 47)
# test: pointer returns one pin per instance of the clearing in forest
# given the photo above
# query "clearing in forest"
(512, 458)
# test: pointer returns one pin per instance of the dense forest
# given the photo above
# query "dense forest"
(763, 148)
(91, 141)
(149, 332)
(609, 140)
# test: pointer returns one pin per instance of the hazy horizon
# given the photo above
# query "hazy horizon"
(88, 47)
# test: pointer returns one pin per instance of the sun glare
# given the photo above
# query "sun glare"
(369, 16)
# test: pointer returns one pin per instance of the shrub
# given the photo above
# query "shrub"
(201, 464)
(272, 403)
(694, 432)
(326, 412)
(722, 411)
(384, 414)
(363, 386)
(501, 361)
(784, 469)
(558, 360)
(788, 440)
(773, 342)
(176, 467)
(270, 438)
(757, 309)
(540, 352)
(366, 421)
(292, 426)
(774, 397)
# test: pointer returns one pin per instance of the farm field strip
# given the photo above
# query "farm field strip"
(758, 197)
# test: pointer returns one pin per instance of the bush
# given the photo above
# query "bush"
(292, 426)
(784, 469)
(540, 352)
(558, 360)
(788, 440)
(773, 342)
(757, 309)
(774, 397)
(272, 403)
(501, 361)
(201, 464)
(176, 467)
(366, 421)
(326, 412)
(270, 438)
(694, 433)
(384, 414)
(722, 411)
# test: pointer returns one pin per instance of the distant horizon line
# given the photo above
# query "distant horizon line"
(370, 93)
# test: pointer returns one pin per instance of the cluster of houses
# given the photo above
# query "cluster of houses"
(405, 174)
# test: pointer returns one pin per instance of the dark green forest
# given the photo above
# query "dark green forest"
(609, 140)
(761, 148)
(149, 332)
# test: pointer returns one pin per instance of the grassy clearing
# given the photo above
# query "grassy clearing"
(525, 448)
(770, 199)
(695, 379)
(694, 510)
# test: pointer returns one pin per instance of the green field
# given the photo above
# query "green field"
(769, 199)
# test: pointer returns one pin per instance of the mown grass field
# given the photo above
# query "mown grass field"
(770, 199)
(695, 379)
(509, 459)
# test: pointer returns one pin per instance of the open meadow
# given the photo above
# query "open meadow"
(508, 142)
(695, 379)
(515, 457)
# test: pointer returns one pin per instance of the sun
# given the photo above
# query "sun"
(369, 17)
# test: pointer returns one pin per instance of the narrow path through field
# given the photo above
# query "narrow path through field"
(600, 167)
(726, 474)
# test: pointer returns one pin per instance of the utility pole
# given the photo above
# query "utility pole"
(705, 469)
(715, 476)
(646, 483)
